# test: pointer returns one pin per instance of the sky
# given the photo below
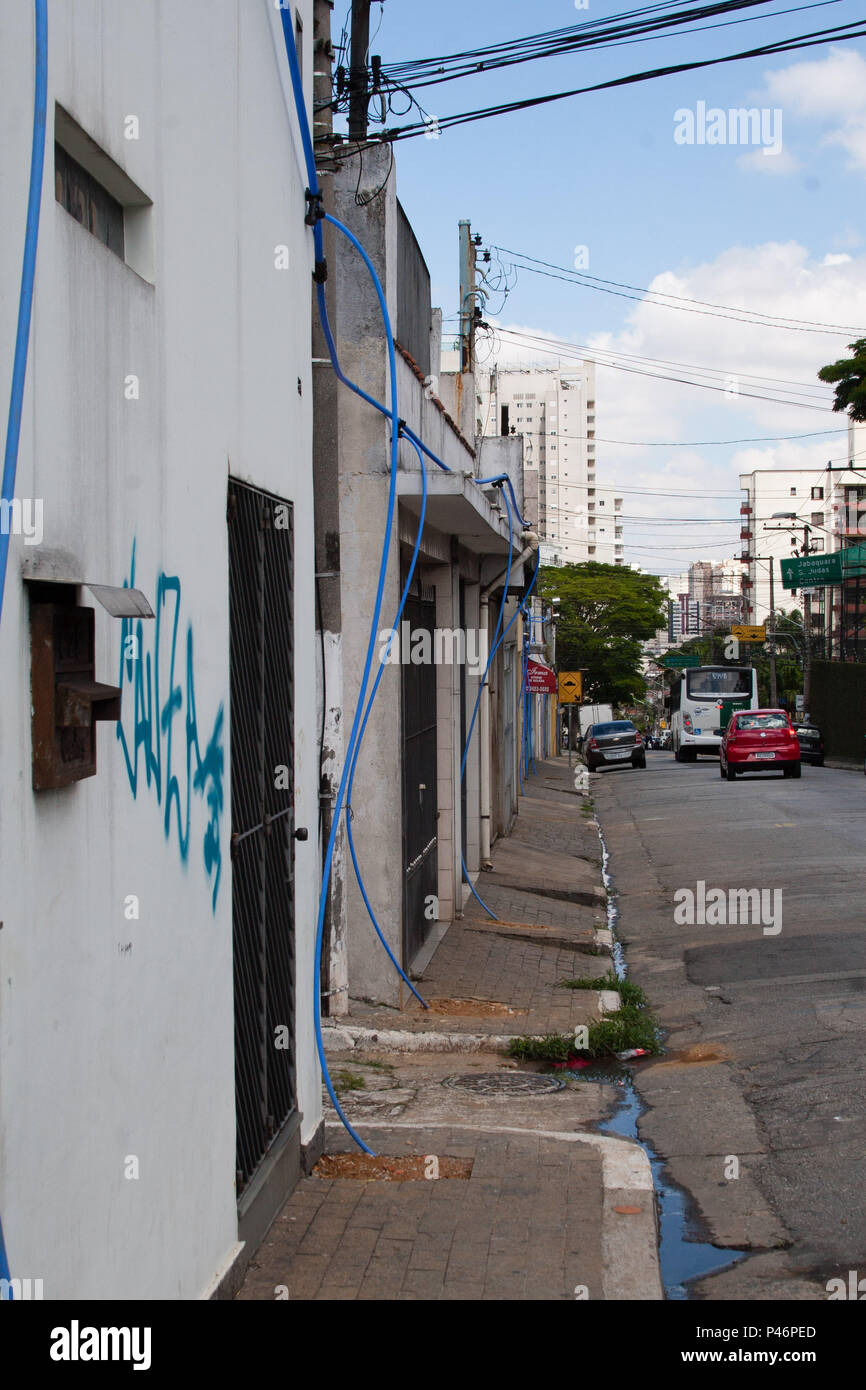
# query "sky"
(782, 233)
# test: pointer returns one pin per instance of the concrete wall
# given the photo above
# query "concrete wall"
(116, 1033)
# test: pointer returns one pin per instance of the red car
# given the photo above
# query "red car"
(757, 740)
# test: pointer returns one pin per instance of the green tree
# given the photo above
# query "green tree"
(605, 613)
(849, 373)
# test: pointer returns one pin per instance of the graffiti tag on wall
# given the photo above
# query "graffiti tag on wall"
(161, 744)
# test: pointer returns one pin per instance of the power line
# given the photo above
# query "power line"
(661, 376)
(834, 34)
(641, 297)
(598, 35)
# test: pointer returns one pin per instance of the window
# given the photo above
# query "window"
(101, 197)
(793, 492)
(818, 544)
(88, 202)
(817, 518)
(817, 494)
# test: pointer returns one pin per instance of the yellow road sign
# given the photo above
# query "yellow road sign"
(570, 687)
(749, 634)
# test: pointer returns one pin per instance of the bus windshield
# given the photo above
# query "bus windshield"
(710, 682)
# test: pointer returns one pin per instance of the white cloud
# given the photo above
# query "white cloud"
(780, 279)
(764, 162)
(831, 89)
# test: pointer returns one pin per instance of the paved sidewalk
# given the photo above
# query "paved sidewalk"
(552, 1209)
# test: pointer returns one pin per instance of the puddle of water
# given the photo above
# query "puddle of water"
(683, 1256)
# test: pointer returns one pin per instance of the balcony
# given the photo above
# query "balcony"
(745, 535)
(745, 509)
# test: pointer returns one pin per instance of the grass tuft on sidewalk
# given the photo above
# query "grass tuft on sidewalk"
(629, 993)
(631, 1026)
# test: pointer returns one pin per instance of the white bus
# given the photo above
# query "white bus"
(702, 701)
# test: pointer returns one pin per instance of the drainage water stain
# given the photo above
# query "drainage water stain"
(682, 1257)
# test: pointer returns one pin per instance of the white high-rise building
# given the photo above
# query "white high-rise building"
(783, 508)
(554, 410)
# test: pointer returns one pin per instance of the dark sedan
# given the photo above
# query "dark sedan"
(811, 744)
(614, 744)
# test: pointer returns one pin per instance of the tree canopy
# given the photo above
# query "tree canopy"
(849, 373)
(605, 613)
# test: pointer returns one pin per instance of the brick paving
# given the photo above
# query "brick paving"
(526, 1225)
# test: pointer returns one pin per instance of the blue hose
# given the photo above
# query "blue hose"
(347, 777)
(28, 275)
(370, 913)
(22, 339)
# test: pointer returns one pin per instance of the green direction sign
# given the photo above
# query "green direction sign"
(812, 570)
(681, 659)
(817, 570)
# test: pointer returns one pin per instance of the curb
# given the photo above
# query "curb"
(345, 1037)
(629, 1242)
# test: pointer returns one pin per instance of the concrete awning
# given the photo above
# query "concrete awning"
(458, 506)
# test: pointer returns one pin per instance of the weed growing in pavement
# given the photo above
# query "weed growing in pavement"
(348, 1081)
(631, 1026)
(629, 993)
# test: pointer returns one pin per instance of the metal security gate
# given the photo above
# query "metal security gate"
(262, 762)
(420, 845)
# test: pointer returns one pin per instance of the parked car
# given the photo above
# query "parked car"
(613, 744)
(757, 740)
(811, 744)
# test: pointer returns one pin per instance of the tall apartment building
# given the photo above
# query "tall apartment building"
(554, 411)
(780, 509)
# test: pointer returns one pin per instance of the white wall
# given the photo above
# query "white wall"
(116, 1036)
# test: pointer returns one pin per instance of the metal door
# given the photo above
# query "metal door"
(420, 845)
(262, 762)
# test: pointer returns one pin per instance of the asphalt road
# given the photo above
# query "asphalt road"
(766, 1018)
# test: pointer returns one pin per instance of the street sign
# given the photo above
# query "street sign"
(745, 633)
(540, 679)
(570, 687)
(811, 570)
(681, 659)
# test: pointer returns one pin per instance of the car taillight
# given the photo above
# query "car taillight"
(687, 723)
(592, 743)
(638, 738)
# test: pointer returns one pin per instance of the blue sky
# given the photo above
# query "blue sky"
(784, 234)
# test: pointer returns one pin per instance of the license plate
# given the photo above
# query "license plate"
(764, 757)
(617, 752)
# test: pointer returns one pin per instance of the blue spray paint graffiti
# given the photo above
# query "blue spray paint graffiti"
(153, 727)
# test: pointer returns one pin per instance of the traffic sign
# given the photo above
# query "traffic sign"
(570, 687)
(681, 659)
(749, 634)
(811, 570)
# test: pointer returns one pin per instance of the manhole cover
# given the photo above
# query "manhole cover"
(508, 1083)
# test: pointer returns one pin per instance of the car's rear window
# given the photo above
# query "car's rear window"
(619, 726)
(761, 721)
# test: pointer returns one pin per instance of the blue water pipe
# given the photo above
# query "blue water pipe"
(22, 340)
(383, 659)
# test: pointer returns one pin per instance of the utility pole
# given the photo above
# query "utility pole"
(467, 297)
(360, 42)
(774, 694)
(807, 624)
